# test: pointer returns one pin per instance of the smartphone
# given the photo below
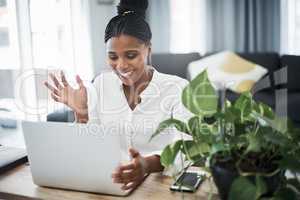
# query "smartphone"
(187, 182)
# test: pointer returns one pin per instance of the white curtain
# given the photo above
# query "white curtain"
(188, 22)
(243, 25)
(82, 40)
(290, 27)
(70, 49)
(158, 17)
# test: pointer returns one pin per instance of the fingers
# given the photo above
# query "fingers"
(125, 174)
(55, 98)
(63, 79)
(54, 92)
(125, 177)
(117, 178)
(117, 173)
(129, 176)
(129, 186)
(133, 153)
(55, 81)
(51, 88)
(79, 81)
(130, 166)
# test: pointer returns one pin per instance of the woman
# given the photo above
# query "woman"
(133, 95)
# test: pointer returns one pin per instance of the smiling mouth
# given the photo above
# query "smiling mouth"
(126, 74)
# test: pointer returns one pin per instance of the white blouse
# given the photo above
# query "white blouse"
(160, 100)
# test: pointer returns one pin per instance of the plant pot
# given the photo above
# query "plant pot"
(224, 178)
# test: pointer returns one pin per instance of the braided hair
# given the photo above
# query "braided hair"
(130, 21)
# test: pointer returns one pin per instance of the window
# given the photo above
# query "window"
(51, 33)
(8, 35)
(60, 41)
(38, 36)
(187, 26)
(290, 41)
(297, 27)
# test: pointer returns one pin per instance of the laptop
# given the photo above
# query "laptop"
(73, 156)
(12, 153)
(11, 157)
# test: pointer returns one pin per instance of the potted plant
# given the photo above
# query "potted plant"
(246, 147)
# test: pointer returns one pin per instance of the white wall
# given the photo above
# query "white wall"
(100, 16)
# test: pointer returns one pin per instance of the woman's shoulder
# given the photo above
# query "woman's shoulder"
(163, 77)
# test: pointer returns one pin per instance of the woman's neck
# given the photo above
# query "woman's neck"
(133, 92)
(138, 87)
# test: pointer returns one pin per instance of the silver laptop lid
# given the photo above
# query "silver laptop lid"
(73, 156)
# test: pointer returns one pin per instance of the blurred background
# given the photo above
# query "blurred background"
(38, 36)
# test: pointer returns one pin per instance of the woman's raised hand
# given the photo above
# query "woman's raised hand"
(62, 92)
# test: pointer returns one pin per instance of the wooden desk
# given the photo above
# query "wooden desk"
(17, 184)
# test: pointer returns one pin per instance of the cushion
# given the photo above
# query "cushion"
(228, 69)
(175, 64)
(270, 61)
(293, 71)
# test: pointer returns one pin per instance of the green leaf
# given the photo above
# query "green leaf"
(285, 194)
(217, 147)
(244, 104)
(238, 142)
(254, 143)
(190, 148)
(194, 125)
(266, 111)
(261, 187)
(290, 163)
(169, 153)
(242, 188)
(242, 128)
(295, 134)
(199, 96)
(201, 132)
(194, 150)
(232, 114)
(276, 138)
(179, 125)
(280, 124)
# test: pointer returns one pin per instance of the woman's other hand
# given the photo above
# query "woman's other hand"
(132, 174)
(62, 92)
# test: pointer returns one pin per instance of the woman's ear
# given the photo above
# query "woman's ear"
(149, 57)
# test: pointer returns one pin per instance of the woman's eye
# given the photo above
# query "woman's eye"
(131, 56)
(112, 57)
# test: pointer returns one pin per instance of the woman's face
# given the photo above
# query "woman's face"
(128, 57)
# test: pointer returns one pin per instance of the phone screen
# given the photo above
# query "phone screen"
(188, 181)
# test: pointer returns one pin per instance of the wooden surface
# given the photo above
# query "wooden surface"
(17, 184)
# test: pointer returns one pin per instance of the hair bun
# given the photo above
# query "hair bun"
(136, 6)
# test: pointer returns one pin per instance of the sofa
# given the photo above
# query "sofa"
(176, 64)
